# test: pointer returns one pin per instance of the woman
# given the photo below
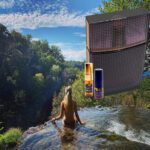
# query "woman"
(68, 108)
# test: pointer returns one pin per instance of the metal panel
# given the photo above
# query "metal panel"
(122, 69)
(117, 44)
(117, 34)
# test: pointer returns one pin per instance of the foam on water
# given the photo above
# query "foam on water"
(92, 135)
(131, 134)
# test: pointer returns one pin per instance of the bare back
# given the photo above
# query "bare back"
(69, 111)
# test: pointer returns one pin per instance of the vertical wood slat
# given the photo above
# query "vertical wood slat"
(87, 35)
(116, 34)
(122, 68)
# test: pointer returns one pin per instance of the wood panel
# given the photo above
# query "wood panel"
(87, 35)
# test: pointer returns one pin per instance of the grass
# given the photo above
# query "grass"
(10, 138)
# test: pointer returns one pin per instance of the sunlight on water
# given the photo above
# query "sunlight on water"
(95, 134)
(131, 134)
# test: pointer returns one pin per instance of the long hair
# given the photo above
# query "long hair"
(68, 97)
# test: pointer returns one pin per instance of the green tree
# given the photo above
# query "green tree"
(39, 78)
(31, 72)
(144, 90)
(55, 71)
(56, 52)
(119, 5)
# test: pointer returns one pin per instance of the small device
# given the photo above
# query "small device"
(98, 83)
(88, 79)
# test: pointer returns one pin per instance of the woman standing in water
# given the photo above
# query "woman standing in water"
(68, 109)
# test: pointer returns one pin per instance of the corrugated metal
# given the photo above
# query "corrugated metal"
(117, 44)
(118, 34)
(122, 69)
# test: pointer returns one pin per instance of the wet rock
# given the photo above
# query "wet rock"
(94, 135)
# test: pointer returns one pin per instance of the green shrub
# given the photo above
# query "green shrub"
(10, 138)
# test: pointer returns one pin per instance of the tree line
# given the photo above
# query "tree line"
(31, 73)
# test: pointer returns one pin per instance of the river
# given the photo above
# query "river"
(106, 128)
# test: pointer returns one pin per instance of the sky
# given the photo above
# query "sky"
(60, 22)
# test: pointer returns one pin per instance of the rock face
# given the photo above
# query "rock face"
(88, 137)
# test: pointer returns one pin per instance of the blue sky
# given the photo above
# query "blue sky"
(60, 22)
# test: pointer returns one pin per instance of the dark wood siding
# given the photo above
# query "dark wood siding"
(117, 44)
(87, 35)
(117, 34)
(122, 70)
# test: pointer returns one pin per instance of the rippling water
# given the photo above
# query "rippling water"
(133, 124)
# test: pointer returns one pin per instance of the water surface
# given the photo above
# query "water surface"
(101, 123)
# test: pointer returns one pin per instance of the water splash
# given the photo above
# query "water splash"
(131, 134)
(94, 135)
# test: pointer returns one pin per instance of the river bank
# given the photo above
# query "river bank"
(137, 99)
(106, 128)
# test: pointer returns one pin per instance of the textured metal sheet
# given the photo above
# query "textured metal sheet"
(122, 69)
(117, 34)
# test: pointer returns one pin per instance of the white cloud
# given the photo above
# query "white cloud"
(6, 3)
(79, 34)
(74, 54)
(70, 52)
(35, 39)
(65, 45)
(35, 20)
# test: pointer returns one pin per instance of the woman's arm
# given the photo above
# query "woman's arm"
(60, 113)
(77, 115)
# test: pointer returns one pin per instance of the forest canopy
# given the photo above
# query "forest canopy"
(31, 73)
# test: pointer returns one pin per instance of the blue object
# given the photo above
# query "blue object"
(145, 74)
(98, 84)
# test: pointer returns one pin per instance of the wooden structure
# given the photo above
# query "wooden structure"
(116, 42)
